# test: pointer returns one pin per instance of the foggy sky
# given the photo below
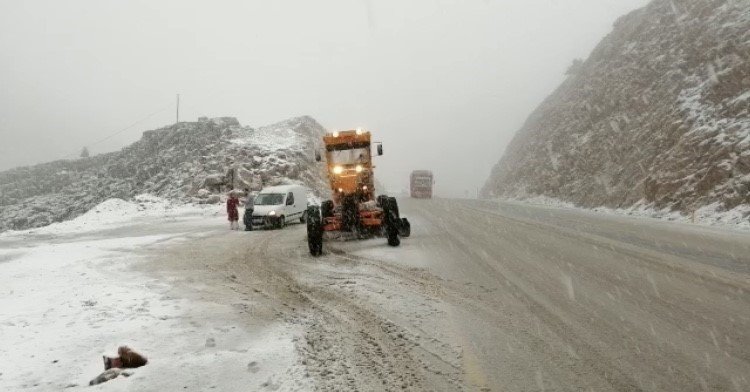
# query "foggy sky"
(444, 84)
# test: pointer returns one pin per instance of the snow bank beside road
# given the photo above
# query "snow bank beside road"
(113, 212)
(67, 302)
(712, 214)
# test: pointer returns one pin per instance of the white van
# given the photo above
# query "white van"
(278, 205)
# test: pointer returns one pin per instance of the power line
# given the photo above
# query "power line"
(133, 124)
(110, 136)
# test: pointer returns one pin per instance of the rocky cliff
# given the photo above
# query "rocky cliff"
(657, 116)
(188, 161)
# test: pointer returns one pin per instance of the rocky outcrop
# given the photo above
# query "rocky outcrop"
(188, 161)
(658, 115)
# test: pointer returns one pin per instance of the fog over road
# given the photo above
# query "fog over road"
(498, 296)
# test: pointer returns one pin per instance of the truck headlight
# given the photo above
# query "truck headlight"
(272, 213)
(338, 169)
(358, 168)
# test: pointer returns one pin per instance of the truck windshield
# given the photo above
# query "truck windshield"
(349, 157)
(423, 181)
(269, 199)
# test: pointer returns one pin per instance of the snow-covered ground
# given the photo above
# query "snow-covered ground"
(69, 294)
(464, 303)
(713, 214)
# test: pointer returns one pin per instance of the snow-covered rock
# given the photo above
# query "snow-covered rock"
(188, 162)
(657, 116)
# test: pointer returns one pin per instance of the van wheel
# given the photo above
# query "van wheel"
(303, 218)
(281, 223)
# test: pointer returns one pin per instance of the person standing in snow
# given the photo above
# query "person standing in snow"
(234, 215)
(249, 203)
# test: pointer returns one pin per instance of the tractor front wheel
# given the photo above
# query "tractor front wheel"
(326, 209)
(314, 230)
(349, 214)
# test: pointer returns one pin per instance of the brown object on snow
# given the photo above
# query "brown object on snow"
(130, 358)
(127, 358)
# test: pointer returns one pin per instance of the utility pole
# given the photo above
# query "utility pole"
(178, 108)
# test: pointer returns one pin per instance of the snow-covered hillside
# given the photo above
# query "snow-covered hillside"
(657, 117)
(194, 162)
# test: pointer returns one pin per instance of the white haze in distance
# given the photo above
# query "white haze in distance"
(444, 84)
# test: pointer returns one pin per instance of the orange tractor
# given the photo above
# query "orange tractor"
(354, 207)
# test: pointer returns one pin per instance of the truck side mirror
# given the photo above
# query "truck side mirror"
(380, 149)
(317, 156)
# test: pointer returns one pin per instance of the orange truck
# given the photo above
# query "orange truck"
(353, 207)
(420, 184)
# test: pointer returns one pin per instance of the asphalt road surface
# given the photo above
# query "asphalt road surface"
(500, 297)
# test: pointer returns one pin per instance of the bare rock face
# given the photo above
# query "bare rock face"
(188, 161)
(658, 115)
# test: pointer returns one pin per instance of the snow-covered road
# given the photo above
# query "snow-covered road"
(483, 296)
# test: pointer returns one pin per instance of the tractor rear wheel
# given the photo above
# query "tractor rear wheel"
(394, 206)
(391, 221)
(381, 200)
(314, 230)
(404, 229)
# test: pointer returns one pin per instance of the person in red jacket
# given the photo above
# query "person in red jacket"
(234, 215)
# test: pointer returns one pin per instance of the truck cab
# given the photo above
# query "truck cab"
(350, 169)
(420, 184)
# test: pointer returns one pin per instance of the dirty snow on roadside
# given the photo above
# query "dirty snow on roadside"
(68, 299)
(114, 212)
(712, 214)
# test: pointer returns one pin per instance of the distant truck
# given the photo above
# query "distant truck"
(420, 184)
